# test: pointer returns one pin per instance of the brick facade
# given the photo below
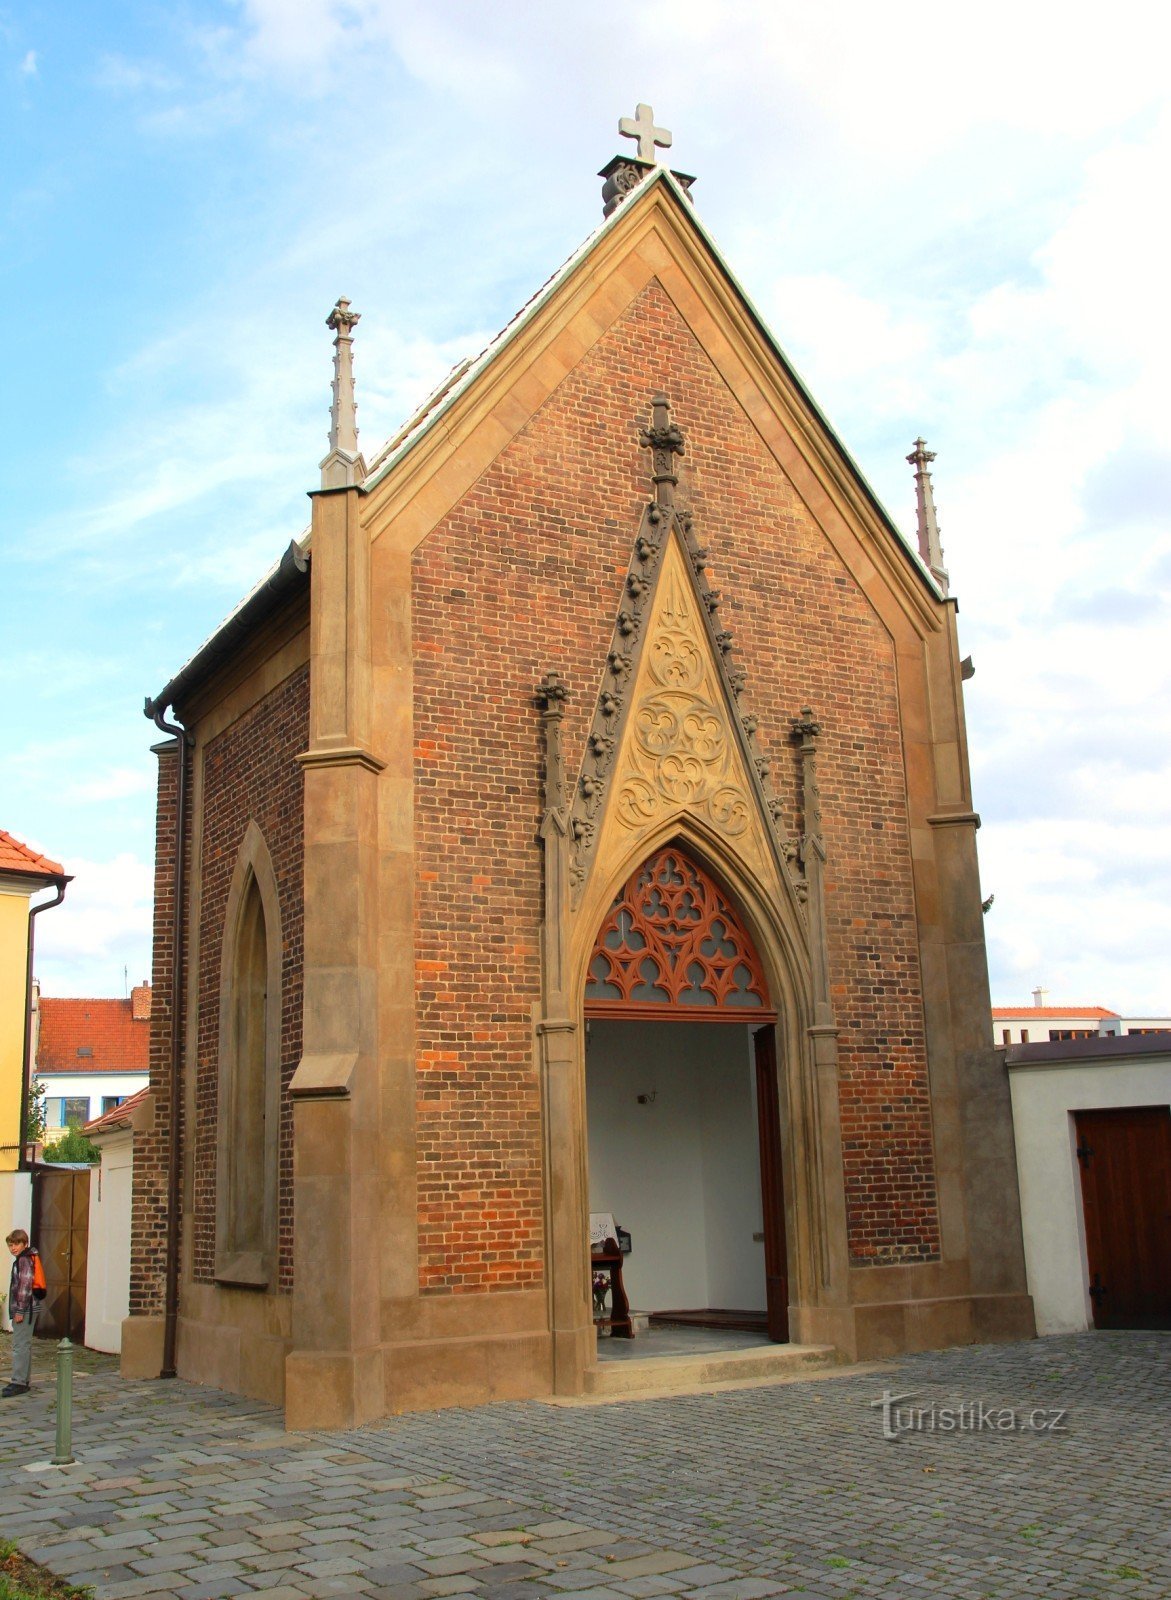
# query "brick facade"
(250, 774)
(526, 574)
(148, 1230)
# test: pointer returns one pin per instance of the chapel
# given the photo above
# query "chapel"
(575, 823)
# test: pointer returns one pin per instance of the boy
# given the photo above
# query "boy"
(25, 1294)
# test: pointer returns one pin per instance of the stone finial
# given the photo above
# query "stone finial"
(551, 695)
(624, 174)
(343, 467)
(642, 128)
(929, 546)
(664, 440)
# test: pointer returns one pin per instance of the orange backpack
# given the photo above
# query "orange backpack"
(40, 1287)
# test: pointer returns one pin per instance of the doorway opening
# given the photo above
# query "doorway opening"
(683, 1112)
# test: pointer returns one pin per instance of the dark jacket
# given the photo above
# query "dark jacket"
(20, 1289)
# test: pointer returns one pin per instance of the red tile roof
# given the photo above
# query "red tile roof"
(1025, 1012)
(17, 857)
(92, 1036)
(119, 1117)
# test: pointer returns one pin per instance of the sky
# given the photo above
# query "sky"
(952, 218)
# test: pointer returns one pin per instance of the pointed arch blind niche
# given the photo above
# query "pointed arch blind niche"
(673, 947)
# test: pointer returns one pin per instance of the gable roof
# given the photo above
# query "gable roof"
(23, 860)
(108, 1033)
(120, 1117)
(444, 398)
(288, 573)
(1025, 1012)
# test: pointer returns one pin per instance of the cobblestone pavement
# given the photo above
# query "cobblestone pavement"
(189, 1493)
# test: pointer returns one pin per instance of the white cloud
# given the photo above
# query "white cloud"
(29, 65)
(123, 75)
(102, 927)
(116, 783)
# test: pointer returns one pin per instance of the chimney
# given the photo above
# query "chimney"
(140, 1002)
(1040, 996)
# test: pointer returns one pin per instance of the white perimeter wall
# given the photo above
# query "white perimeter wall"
(107, 1284)
(1043, 1102)
(16, 1211)
(683, 1172)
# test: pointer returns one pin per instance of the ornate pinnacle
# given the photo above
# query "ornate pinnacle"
(664, 440)
(343, 467)
(805, 728)
(929, 546)
(551, 695)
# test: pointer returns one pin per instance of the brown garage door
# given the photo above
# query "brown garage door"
(1125, 1159)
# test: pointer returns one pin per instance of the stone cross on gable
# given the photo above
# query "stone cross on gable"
(642, 127)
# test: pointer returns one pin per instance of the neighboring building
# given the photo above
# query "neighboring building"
(24, 872)
(502, 818)
(1092, 1119)
(107, 1300)
(1042, 1023)
(91, 1056)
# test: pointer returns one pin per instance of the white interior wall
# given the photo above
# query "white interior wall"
(107, 1284)
(1043, 1102)
(682, 1172)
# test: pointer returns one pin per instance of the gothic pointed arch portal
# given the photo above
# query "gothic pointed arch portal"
(684, 1122)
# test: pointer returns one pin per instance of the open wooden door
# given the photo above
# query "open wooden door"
(776, 1260)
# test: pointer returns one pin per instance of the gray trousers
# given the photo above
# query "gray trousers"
(22, 1343)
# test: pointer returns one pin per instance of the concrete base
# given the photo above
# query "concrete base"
(333, 1389)
(874, 1331)
(142, 1347)
(467, 1372)
(673, 1374)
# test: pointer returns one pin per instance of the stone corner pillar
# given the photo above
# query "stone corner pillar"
(334, 1368)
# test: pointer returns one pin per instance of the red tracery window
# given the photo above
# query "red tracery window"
(673, 945)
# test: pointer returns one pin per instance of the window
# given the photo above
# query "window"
(248, 1112)
(1072, 1033)
(1024, 1036)
(1006, 1035)
(66, 1111)
(111, 1101)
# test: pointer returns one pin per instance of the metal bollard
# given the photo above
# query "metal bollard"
(64, 1453)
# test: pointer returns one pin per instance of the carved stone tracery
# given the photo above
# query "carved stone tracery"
(675, 946)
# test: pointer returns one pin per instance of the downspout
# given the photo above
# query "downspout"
(23, 1163)
(158, 715)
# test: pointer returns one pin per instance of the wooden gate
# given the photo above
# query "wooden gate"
(60, 1232)
(1125, 1160)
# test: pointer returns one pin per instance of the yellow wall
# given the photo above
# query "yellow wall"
(13, 971)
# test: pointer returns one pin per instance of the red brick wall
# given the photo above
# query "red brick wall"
(249, 773)
(148, 1231)
(525, 575)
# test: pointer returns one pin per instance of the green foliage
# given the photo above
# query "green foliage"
(72, 1146)
(36, 1110)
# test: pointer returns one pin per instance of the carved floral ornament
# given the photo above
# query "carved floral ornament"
(669, 735)
(680, 753)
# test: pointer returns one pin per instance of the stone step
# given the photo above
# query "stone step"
(677, 1374)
